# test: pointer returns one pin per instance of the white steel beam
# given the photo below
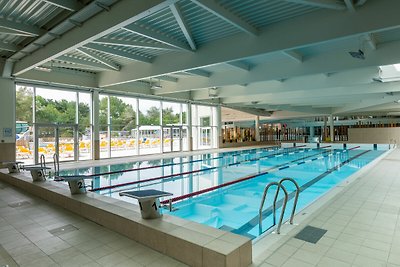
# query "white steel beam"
(377, 16)
(70, 66)
(99, 58)
(19, 27)
(201, 73)
(117, 52)
(331, 4)
(83, 62)
(387, 99)
(356, 77)
(371, 41)
(224, 14)
(121, 14)
(133, 43)
(156, 36)
(296, 56)
(350, 6)
(71, 5)
(8, 47)
(175, 9)
(60, 77)
(339, 61)
(14, 32)
(240, 65)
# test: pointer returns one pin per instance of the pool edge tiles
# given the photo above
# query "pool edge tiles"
(188, 242)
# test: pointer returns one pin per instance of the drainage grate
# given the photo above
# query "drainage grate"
(20, 204)
(311, 234)
(63, 229)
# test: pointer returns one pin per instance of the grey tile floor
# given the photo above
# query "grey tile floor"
(34, 232)
(362, 222)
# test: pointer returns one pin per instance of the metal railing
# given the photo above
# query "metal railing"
(285, 200)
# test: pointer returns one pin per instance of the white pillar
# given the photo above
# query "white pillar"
(95, 125)
(257, 125)
(332, 128)
(218, 138)
(7, 120)
(189, 130)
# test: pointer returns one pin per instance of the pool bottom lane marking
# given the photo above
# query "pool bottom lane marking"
(254, 221)
(251, 176)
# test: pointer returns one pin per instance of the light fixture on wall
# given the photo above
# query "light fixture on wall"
(213, 92)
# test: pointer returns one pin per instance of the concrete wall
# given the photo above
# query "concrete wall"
(7, 120)
(374, 135)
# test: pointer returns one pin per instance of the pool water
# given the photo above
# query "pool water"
(233, 207)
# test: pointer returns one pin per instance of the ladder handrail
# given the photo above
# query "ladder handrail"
(295, 198)
(43, 163)
(274, 206)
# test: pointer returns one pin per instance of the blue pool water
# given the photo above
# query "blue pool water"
(235, 207)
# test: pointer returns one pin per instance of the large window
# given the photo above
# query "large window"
(204, 127)
(58, 122)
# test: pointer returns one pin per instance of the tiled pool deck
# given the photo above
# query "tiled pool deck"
(361, 219)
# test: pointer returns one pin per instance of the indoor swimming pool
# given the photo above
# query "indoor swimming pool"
(224, 190)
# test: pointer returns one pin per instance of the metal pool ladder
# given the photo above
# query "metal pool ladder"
(285, 200)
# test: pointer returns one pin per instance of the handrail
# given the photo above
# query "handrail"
(278, 229)
(56, 162)
(296, 197)
(43, 163)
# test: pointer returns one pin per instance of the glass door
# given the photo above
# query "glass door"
(205, 137)
(57, 139)
(167, 139)
(176, 144)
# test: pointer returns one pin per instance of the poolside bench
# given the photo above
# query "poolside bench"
(148, 201)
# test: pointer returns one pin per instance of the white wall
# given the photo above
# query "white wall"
(374, 135)
(7, 120)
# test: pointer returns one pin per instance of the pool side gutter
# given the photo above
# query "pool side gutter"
(189, 242)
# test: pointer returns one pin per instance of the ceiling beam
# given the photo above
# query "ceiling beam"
(201, 73)
(118, 53)
(20, 27)
(176, 11)
(14, 32)
(99, 58)
(240, 65)
(168, 79)
(330, 4)
(296, 56)
(387, 99)
(121, 14)
(377, 16)
(79, 61)
(133, 44)
(350, 6)
(56, 64)
(371, 41)
(224, 14)
(71, 5)
(156, 36)
(8, 47)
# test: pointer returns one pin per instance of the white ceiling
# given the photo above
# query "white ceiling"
(285, 57)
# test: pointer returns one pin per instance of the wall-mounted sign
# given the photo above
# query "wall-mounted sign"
(7, 132)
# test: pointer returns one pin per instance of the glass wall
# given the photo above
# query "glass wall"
(51, 121)
(59, 122)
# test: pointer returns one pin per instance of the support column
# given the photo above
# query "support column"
(218, 137)
(189, 131)
(95, 125)
(324, 135)
(7, 120)
(257, 125)
(312, 131)
(332, 128)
